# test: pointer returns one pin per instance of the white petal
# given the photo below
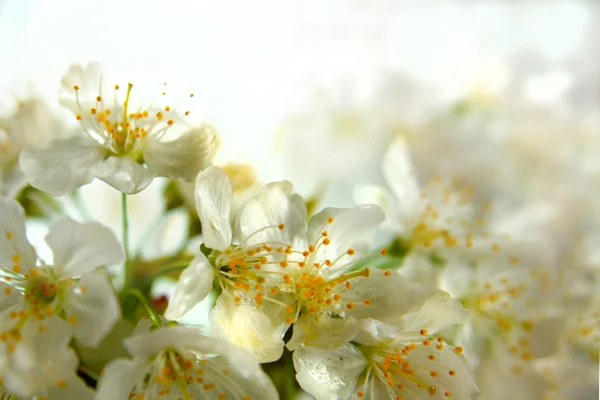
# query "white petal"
(460, 385)
(373, 194)
(323, 332)
(62, 167)
(400, 175)
(247, 327)
(34, 125)
(124, 174)
(183, 157)
(351, 228)
(88, 78)
(389, 296)
(12, 181)
(14, 247)
(439, 312)
(118, 379)
(235, 385)
(41, 358)
(194, 284)
(93, 302)
(80, 248)
(213, 203)
(75, 390)
(329, 375)
(145, 344)
(275, 205)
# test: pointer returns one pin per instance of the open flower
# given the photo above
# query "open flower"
(250, 310)
(42, 302)
(119, 144)
(177, 362)
(406, 361)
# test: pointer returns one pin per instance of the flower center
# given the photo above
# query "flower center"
(121, 131)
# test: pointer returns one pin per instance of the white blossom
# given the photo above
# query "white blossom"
(406, 361)
(177, 362)
(119, 143)
(70, 295)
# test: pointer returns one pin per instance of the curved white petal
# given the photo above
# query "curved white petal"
(440, 311)
(71, 389)
(93, 303)
(247, 327)
(235, 385)
(194, 284)
(323, 332)
(346, 228)
(14, 247)
(88, 78)
(400, 175)
(183, 157)
(40, 359)
(63, 166)
(213, 202)
(80, 248)
(330, 374)
(34, 125)
(12, 181)
(123, 174)
(144, 344)
(373, 194)
(385, 296)
(274, 206)
(118, 379)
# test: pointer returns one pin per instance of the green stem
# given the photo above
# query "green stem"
(156, 321)
(125, 218)
(176, 266)
(290, 379)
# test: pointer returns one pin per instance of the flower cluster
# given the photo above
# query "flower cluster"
(423, 289)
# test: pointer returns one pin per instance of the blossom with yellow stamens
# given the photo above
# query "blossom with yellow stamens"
(39, 302)
(178, 362)
(120, 144)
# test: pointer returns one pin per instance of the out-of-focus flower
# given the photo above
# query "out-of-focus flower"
(433, 223)
(32, 125)
(177, 362)
(406, 361)
(120, 143)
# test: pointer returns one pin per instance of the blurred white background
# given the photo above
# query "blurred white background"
(250, 63)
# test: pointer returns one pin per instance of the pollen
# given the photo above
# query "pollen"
(281, 227)
(387, 272)
(170, 122)
(383, 252)
(350, 252)
(423, 332)
(326, 241)
(9, 235)
(330, 220)
(72, 319)
(75, 88)
(61, 384)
